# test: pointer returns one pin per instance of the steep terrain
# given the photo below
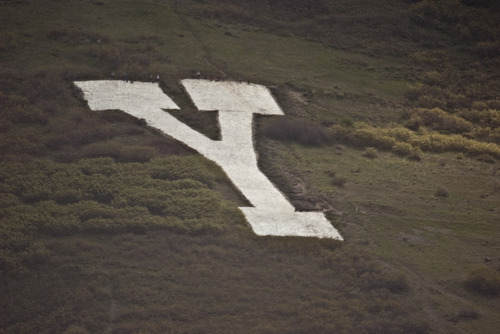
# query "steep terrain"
(391, 128)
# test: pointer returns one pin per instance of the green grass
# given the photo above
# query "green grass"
(208, 283)
(264, 56)
(389, 204)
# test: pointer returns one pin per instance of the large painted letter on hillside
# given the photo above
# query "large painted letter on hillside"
(236, 103)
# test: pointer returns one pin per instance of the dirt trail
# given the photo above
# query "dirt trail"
(209, 59)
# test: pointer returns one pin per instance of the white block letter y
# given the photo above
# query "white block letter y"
(236, 103)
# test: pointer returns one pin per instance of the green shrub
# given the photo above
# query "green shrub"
(136, 154)
(104, 196)
(484, 280)
(433, 78)
(187, 167)
(486, 158)
(339, 181)
(166, 146)
(402, 149)
(17, 242)
(297, 130)
(455, 18)
(438, 119)
(400, 133)
(7, 200)
(105, 166)
(488, 117)
(407, 142)
(370, 136)
(67, 196)
(467, 313)
(17, 109)
(89, 131)
(395, 283)
(370, 152)
(102, 149)
(417, 154)
(489, 135)
(21, 141)
(441, 192)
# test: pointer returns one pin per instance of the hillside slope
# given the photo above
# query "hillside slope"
(392, 129)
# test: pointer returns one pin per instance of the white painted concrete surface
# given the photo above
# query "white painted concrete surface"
(230, 95)
(271, 213)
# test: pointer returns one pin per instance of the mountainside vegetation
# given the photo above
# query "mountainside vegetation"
(391, 128)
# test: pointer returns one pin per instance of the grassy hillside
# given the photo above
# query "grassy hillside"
(392, 128)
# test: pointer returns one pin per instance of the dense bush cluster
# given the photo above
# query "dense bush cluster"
(426, 130)
(15, 109)
(406, 142)
(456, 105)
(439, 120)
(102, 196)
(463, 19)
(212, 283)
(40, 116)
(457, 92)
(296, 130)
